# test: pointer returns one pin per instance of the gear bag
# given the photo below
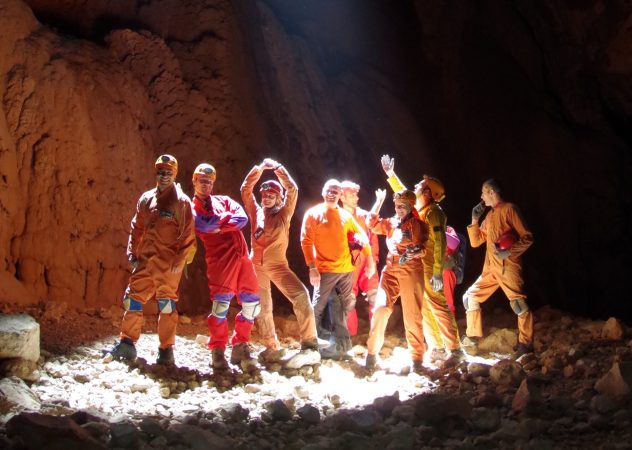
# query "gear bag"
(455, 253)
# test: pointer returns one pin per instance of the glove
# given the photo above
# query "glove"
(436, 282)
(478, 211)
(503, 254)
(388, 164)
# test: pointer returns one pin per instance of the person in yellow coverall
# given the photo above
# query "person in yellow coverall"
(270, 229)
(406, 238)
(161, 242)
(502, 267)
(326, 233)
(440, 327)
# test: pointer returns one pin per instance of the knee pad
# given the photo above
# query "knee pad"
(250, 305)
(220, 308)
(519, 306)
(166, 305)
(470, 304)
(129, 304)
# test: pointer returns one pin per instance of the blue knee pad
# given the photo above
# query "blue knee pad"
(250, 305)
(129, 304)
(519, 306)
(166, 305)
(219, 308)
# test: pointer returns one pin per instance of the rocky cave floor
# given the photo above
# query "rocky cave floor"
(574, 392)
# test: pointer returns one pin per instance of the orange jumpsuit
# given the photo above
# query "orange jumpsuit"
(400, 280)
(439, 322)
(269, 241)
(496, 272)
(360, 280)
(324, 241)
(229, 270)
(162, 237)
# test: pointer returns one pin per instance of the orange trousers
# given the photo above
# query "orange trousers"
(404, 281)
(295, 291)
(509, 279)
(152, 279)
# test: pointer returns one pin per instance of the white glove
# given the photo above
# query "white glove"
(437, 283)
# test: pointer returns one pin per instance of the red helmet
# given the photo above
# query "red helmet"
(272, 186)
(506, 240)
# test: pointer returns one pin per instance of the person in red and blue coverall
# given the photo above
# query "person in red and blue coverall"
(229, 269)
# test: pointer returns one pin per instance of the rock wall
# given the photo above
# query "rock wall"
(92, 92)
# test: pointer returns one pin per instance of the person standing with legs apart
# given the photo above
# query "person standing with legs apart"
(406, 237)
(440, 328)
(229, 270)
(325, 243)
(270, 224)
(507, 238)
(161, 243)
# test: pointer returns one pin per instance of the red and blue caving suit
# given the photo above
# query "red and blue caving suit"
(229, 270)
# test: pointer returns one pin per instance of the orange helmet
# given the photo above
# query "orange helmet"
(167, 162)
(406, 196)
(506, 240)
(436, 187)
(205, 169)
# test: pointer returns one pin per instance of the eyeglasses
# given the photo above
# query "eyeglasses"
(164, 173)
(401, 206)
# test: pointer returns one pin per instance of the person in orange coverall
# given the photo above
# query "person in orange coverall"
(325, 238)
(502, 267)
(270, 225)
(439, 322)
(161, 242)
(361, 282)
(406, 237)
(229, 270)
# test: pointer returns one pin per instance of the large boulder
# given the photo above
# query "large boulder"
(19, 337)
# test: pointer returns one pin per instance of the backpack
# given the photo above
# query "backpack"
(456, 253)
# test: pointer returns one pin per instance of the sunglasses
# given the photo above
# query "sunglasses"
(164, 173)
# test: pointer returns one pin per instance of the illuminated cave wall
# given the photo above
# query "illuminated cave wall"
(92, 91)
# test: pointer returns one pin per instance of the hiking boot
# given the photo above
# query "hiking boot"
(219, 360)
(241, 352)
(311, 344)
(165, 357)
(455, 358)
(437, 354)
(522, 349)
(271, 356)
(470, 343)
(333, 351)
(124, 349)
(345, 344)
(370, 362)
(307, 357)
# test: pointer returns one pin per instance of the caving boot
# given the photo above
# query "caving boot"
(124, 349)
(165, 357)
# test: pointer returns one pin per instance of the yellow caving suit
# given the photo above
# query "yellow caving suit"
(269, 240)
(440, 327)
(162, 236)
(400, 280)
(507, 274)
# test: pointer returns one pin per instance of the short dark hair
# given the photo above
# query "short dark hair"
(493, 185)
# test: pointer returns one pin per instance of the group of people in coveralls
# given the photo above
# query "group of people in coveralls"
(341, 251)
